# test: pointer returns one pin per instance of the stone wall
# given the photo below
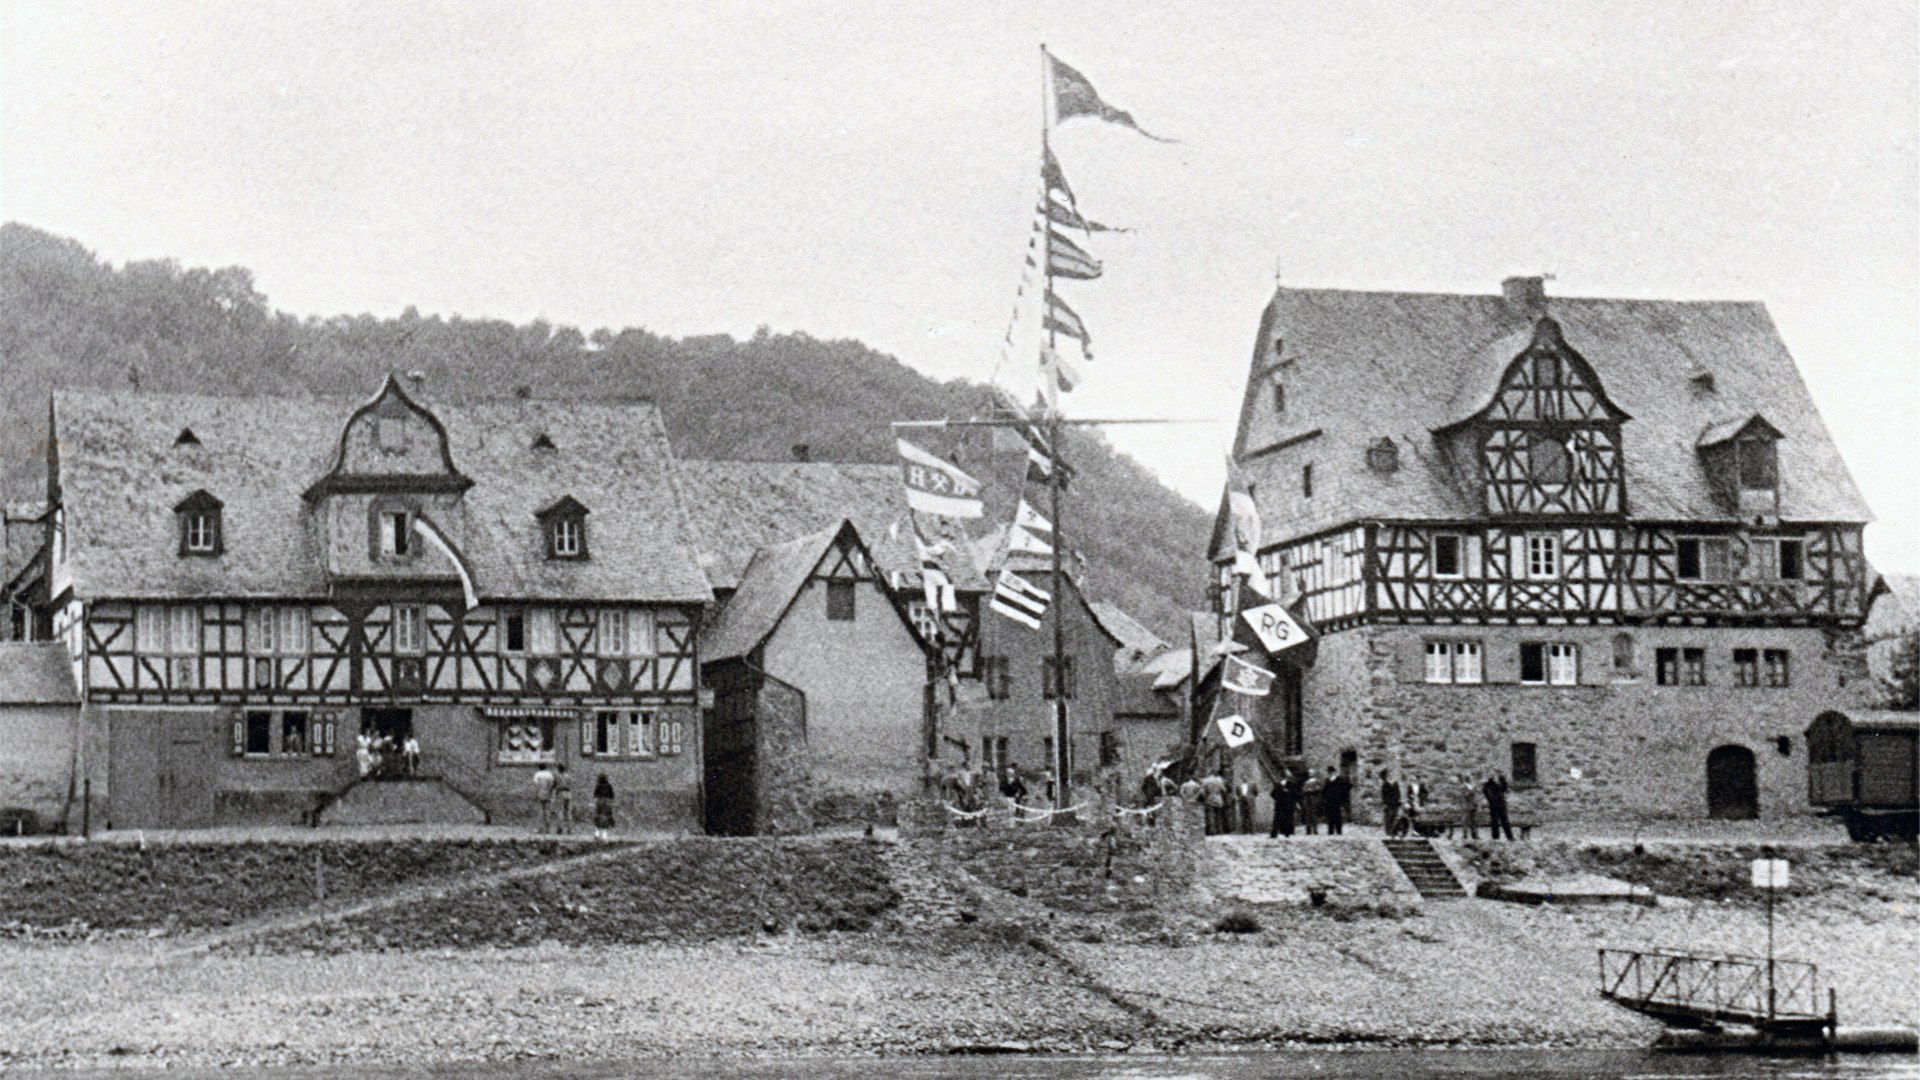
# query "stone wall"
(1100, 862)
(1349, 871)
(37, 758)
(1640, 748)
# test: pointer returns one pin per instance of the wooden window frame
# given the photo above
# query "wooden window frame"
(1746, 668)
(200, 521)
(1776, 670)
(1549, 542)
(1799, 559)
(620, 735)
(1459, 556)
(548, 753)
(842, 601)
(401, 615)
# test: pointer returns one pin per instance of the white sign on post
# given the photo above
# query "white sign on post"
(1236, 731)
(1276, 628)
(1769, 873)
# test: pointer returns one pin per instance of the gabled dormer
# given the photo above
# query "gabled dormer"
(391, 504)
(198, 521)
(1534, 430)
(1742, 461)
(564, 525)
(391, 443)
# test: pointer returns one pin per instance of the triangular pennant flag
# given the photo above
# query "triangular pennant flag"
(1057, 370)
(1067, 259)
(1052, 177)
(1063, 319)
(1019, 539)
(1018, 599)
(1074, 96)
(1244, 678)
(1062, 214)
(937, 487)
(1026, 517)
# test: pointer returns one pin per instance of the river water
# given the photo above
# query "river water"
(1281, 1065)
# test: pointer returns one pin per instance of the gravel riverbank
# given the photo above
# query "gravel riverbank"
(1470, 973)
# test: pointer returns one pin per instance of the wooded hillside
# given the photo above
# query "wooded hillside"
(68, 319)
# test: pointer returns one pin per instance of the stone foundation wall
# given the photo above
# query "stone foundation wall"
(1640, 748)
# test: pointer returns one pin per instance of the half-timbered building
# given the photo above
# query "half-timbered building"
(249, 586)
(1606, 547)
(823, 688)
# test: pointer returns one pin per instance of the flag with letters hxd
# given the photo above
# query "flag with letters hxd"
(938, 487)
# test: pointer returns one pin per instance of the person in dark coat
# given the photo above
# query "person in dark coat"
(1312, 791)
(1285, 798)
(602, 806)
(1389, 805)
(1333, 801)
(1495, 789)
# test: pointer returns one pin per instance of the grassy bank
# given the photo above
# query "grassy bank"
(849, 946)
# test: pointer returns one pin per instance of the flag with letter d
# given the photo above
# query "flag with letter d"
(936, 486)
(1245, 678)
(1235, 731)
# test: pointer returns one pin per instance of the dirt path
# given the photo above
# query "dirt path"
(252, 929)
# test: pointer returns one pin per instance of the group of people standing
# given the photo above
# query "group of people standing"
(1403, 803)
(1309, 799)
(377, 755)
(554, 790)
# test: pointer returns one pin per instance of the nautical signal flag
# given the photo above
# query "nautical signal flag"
(936, 486)
(1074, 96)
(1066, 259)
(1235, 731)
(1019, 599)
(1031, 532)
(1064, 320)
(1062, 214)
(933, 578)
(1244, 678)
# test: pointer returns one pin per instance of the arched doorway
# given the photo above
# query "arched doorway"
(1732, 794)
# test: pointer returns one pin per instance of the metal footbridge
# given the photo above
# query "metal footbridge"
(1780, 997)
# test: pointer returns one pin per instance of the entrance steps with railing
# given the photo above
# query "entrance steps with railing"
(420, 800)
(1430, 874)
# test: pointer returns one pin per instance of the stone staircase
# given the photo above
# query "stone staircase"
(1424, 867)
(419, 801)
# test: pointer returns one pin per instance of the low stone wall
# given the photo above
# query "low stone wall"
(1095, 861)
(1349, 873)
(1702, 869)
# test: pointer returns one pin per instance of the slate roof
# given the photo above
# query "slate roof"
(1895, 608)
(738, 507)
(121, 475)
(773, 578)
(1137, 643)
(1360, 366)
(36, 673)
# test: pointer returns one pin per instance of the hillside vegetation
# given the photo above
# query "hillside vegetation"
(69, 319)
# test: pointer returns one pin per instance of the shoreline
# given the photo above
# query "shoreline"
(734, 951)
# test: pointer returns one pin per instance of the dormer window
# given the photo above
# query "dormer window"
(199, 524)
(396, 533)
(565, 525)
(1759, 464)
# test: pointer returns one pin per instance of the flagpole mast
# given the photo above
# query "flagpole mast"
(1062, 730)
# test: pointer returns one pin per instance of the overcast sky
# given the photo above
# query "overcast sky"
(851, 171)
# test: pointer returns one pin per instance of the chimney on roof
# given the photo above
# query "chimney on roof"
(802, 452)
(1525, 296)
(416, 381)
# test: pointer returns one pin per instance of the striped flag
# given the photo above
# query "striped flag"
(939, 588)
(1018, 599)
(938, 487)
(1062, 214)
(1244, 678)
(1065, 320)
(1067, 259)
